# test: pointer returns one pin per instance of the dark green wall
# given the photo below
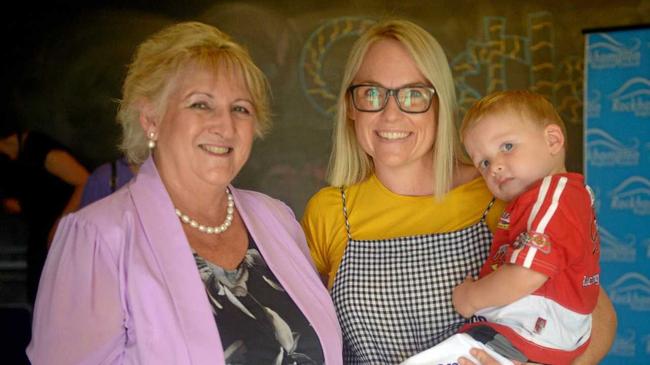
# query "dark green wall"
(65, 64)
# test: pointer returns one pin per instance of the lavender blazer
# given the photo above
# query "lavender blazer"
(120, 285)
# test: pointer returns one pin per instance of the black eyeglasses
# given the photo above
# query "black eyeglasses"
(373, 98)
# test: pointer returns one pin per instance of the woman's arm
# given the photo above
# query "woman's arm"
(62, 165)
(603, 332)
(318, 235)
(78, 316)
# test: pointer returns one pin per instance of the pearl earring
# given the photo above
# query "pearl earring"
(152, 142)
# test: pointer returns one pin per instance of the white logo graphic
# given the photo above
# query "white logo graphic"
(631, 289)
(606, 52)
(632, 194)
(624, 344)
(633, 97)
(605, 150)
(614, 249)
(593, 104)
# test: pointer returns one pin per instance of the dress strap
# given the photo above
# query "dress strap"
(485, 213)
(345, 213)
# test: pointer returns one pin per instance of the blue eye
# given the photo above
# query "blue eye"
(482, 165)
(413, 93)
(372, 92)
(373, 96)
(507, 147)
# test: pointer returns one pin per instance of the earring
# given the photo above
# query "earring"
(152, 142)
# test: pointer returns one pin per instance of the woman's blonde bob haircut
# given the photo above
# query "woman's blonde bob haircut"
(160, 58)
(349, 164)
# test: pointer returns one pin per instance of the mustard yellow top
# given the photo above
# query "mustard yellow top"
(374, 212)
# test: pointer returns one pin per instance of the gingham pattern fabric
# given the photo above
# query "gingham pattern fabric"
(393, 296)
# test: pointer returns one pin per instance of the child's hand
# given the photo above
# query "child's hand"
(460, 297)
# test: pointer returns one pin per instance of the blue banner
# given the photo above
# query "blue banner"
(617, 167)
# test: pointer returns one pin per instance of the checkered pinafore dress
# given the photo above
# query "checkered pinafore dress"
(393, 296)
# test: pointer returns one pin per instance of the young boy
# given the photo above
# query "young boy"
(540, 283)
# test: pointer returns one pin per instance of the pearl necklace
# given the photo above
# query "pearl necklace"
(230, 210)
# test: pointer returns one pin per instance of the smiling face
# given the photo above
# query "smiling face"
(395, 140)
(206, 131)
(513, 153)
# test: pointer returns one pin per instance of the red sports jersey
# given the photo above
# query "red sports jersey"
(551, 229)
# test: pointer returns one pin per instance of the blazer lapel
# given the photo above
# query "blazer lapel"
(292, 269)
(172, 253)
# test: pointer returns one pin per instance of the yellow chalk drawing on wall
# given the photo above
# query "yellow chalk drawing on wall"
(493, 62)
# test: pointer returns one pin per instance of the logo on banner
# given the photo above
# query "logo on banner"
(605, 150)
(632, 194)
(614, 249)
(632, 97)
(606, 52)
(632, 290)
(624, 344)
(593, 106)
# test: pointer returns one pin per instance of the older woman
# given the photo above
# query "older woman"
(180, 267)
(406, 219)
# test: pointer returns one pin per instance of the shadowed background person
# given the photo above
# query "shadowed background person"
(44, 181)
(106, 179)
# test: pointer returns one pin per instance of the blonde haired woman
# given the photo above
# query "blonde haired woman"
(179, 266)
(405, 218)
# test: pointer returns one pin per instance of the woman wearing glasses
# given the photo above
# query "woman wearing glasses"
(405, 218)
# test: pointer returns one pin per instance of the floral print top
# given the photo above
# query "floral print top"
(258, 322)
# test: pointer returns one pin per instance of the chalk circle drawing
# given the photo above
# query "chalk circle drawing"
(316, 52)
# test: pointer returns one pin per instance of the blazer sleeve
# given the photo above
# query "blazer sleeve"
(78, 316)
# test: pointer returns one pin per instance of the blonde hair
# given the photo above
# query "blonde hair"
(531, 106)
(349, 164)
(158, 60)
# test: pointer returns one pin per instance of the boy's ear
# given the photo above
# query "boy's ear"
(554, 138)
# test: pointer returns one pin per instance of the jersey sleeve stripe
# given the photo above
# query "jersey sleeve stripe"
(543, 190)
(530, 255)
(515, 254)
(553, 207)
